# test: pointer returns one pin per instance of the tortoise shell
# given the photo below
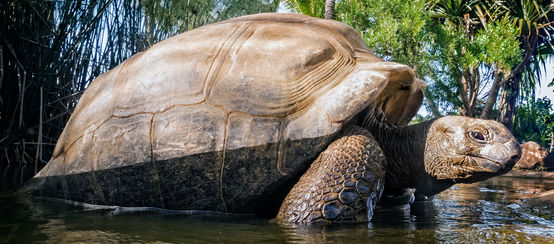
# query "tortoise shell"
(222, 117)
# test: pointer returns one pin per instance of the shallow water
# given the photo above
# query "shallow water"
(482, 212)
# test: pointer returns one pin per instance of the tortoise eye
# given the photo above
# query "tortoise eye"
(477, 135)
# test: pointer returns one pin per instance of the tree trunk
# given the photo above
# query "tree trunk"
(148, 33)
(551, 141)
(474, 84)
(507, 111)
(464, 88)
(493, 94)
(511, 93)
(434, 110)
(329, 9)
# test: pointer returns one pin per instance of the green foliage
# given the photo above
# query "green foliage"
(497, 44)
(448, 47)
(535, 122)
(441, 45)
(457, 51)
(529, 16)
(458, 46)
(182, 15)
(393, 29)
(453, 10)
(314, 8)
(477, 49)
(533, 19)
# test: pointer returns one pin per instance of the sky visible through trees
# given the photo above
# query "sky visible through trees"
(548, 75)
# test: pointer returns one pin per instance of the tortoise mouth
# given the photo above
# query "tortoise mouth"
(498, 161)
(487, 165)
(483, 168)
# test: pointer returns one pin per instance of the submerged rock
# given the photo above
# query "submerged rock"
(542, 203)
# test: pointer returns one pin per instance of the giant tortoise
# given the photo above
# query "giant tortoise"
(230, 116)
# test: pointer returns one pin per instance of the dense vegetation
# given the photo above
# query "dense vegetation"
(537, 116)
(479, 58)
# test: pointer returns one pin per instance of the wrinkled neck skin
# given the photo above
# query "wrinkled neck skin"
(404, 149)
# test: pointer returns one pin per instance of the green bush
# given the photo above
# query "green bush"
(535, 122)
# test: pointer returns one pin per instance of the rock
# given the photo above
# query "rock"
(532, 156)
(542, 200)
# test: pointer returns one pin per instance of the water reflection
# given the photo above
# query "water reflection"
(491, 211)
(482, 212)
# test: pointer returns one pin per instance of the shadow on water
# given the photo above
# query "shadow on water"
(14, 176)
(485, 212)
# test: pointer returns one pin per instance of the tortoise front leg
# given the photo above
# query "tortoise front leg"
(342, 185)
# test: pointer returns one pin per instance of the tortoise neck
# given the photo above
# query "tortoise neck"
(404, 149)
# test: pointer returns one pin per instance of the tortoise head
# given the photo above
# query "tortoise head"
(464, 150)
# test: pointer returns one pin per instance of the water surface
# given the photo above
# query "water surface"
(484, 212)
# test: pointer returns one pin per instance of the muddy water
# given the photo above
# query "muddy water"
(485, 212)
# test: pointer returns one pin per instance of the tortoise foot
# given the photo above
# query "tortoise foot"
(342, 185)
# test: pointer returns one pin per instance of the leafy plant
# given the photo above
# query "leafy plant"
(315, 8)
(535, 122)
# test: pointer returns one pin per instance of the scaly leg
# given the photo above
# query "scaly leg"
(342, 185)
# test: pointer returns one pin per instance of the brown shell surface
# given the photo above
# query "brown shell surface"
(249, 101)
